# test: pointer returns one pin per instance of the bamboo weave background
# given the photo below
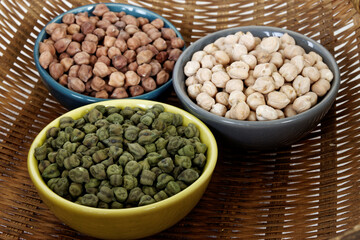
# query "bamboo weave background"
(308, 190)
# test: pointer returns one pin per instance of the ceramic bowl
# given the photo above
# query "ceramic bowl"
(129, 223)
(259, 134)
(71, 99)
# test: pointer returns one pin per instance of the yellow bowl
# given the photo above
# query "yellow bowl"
(127, 223)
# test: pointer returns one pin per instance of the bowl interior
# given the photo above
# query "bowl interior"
(259, 31)
(116, 7)
(205, 136)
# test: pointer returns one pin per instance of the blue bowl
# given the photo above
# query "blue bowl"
(71, 99)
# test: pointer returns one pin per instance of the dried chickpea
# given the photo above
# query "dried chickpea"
(240, 111)
(194, 90)
(264, 85)
(117, 79)
(203, 75)
(220, 79)
(321, 87)
(265, 112)
(209, 88)
(277, 100)
(191, 80)
(234, 85)
(302, 104)
(223, 98)
(218, 109)
(205, 101)
(235, 97)
(289, 111)
(254, 100)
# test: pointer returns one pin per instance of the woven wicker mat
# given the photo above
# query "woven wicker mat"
(308, 190)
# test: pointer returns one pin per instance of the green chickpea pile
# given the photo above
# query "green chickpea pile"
(120, 158)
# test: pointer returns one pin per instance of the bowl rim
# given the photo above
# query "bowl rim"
(41, 186)
(89, 8)
(330, 95)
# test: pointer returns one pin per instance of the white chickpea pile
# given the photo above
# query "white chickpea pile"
(243, 77)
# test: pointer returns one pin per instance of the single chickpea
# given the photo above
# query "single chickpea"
(321, 87)
(302, 104)
(249, 60)
(194, 90)
(148, 84)
(277, 59)
(301, 85)
(254, 100)
(309, 59)
(299, 62)
(249, 91)
(326, 74)
(191, 68)
(208, 61)
(218, 109)
(231, 39)
(261, 55)
(252, 116)
(227, 114)
(221, 57)
(270, 44)
(237, 50)
(101, 69)
(289, 111)
(280, 113)
(85, 72)
(198, 56)
(238, 70)
(235, 97)
(67, 63)
(288, 71)
(240, 111)
(250, 80)
(217, 68)
(248, 40)
(223, 98)
(191, 80)
(278, 80)
(291, 51)
(316, 56)
(234, 85)
(289, 91)
(321, 65)
(313, 98)
(265, 112)
(116, 79)
(286, 39)
(119, 93)
(76, 84)
(210, 48)
(220, 79)
(45, 59)
(312, 73)
(203, 75)
(264, 69)
(205, 101)
(264, 85)
(277, 100)
(209, 88)
(131, 78)
(220, 43)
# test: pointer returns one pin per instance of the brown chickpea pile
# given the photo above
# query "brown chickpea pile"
(110, 54)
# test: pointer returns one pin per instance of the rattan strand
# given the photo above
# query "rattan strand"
(308, 190)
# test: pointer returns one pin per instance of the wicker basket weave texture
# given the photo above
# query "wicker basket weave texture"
(307, 190)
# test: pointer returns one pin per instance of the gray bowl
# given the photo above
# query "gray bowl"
(259, 134)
